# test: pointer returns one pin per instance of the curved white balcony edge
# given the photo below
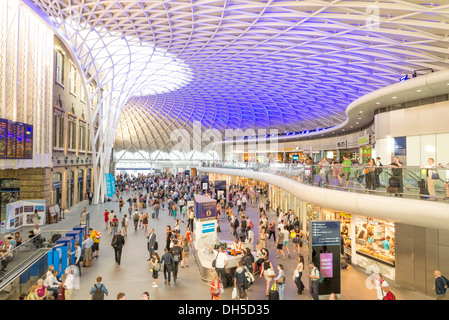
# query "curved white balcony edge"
(428, 214)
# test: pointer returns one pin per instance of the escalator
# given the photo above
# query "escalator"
(18, 261)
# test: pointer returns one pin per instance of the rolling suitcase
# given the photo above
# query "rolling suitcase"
(393, 185)
(152, 215)
(423, 191)
(273, 294)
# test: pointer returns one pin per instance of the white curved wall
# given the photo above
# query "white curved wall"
(421, 213)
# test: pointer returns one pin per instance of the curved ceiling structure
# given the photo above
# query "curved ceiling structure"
(285, 65)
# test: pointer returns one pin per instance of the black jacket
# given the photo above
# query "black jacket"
(120, 240)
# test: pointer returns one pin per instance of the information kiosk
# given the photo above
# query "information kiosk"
(324, 246)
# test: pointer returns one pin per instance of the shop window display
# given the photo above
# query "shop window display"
(375, 240)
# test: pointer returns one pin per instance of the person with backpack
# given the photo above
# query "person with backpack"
(176, 252)
(155, 263)
(118, 242)
(114, 225)
(98, 290)
(315, 278)
(441, 285)
(136, 220)
(125, 224)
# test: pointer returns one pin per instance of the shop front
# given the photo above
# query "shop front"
(80, 190)
(366, 242)
(57, 189)
(315, 212)
(375, 245)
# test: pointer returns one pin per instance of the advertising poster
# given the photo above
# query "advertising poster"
(326, 265)
(22, 213)
(110, 185)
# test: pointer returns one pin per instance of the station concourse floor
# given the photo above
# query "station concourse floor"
(133, 276)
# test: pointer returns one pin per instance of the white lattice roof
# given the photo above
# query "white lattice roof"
(289, 65)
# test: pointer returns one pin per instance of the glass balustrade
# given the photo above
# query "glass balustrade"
(14, 261)
(406, 181)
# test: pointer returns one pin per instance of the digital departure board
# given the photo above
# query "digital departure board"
(16, 140)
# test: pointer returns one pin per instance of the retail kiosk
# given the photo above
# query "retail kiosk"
(205, 236)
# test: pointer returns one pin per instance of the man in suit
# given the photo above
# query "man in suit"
(151, 242)
(118, 242)
(90, 195)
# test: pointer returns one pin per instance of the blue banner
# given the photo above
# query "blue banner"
(110, 185)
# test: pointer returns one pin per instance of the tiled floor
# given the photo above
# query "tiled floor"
(133, 276)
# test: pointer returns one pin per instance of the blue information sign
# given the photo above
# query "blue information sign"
(325, 233)
(110, 185)
(208, 227)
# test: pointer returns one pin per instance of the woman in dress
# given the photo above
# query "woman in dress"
(168, 236)
(145, 221)
(155, 266)
(106, 219)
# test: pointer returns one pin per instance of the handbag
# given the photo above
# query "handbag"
(295, 274)
(281, 280)
(435, 175)
(170, 267)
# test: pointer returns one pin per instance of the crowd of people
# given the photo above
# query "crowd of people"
(146, 196)
(368, 175)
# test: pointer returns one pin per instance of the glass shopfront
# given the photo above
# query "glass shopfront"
(375, 240)
(366, 242)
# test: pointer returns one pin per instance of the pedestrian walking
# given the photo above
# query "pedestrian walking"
(297, 275)
(441, 285)
(314, 277)
(118, 242)
(98, 290)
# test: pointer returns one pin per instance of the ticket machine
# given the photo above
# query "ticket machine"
(57, 257)
(83, 229)
(69, 242)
